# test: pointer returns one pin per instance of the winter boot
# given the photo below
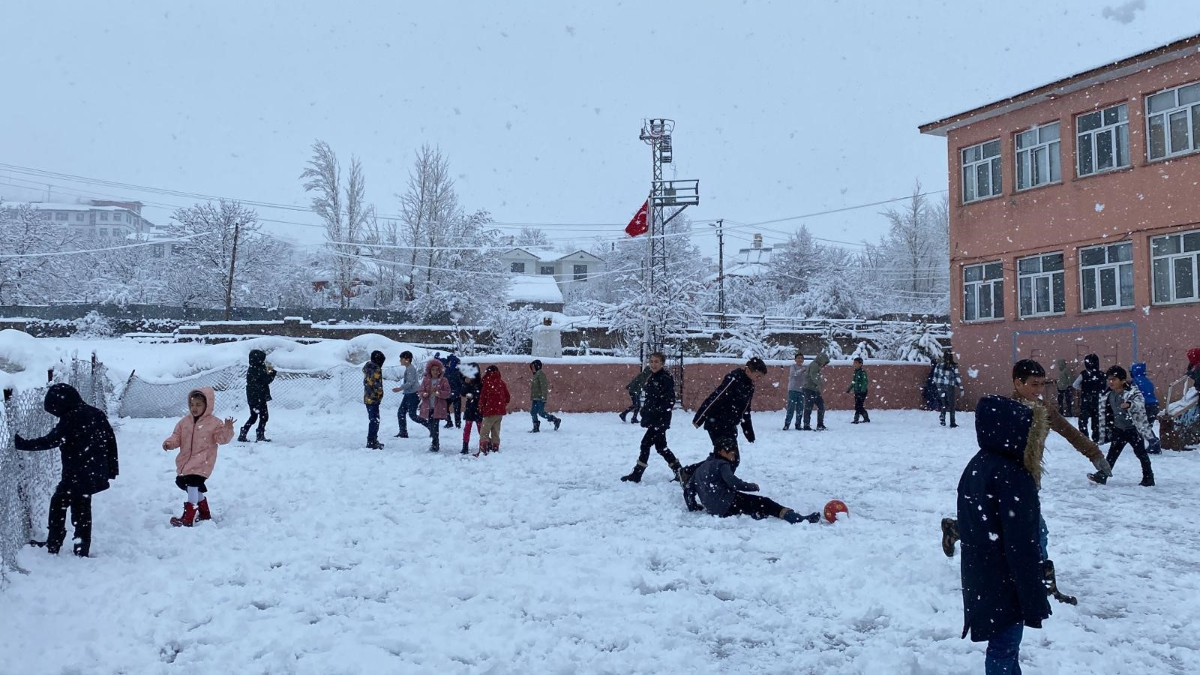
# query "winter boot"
(495, 447)
(189, 516)
(374, 445)
(260, 436)
(449, 424)
(537, 427)
(866, 418)
(466, 447)
(202, 512)
(635, 476)
(242, 436)
(622, 415)
(787, 425)
(402, 434)
(806, 428)
(1051, 583)
(557, 421)
(821, 427)
(1098, 478)
(949, 536)
(1147, 480)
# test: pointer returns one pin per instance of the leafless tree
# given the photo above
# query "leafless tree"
(345, 213)
(428, 210)
(223, 252)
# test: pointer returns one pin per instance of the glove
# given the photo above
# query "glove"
(751, 487)
(1102, 467)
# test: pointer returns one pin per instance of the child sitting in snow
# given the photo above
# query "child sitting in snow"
(197, 436)
(723, 494)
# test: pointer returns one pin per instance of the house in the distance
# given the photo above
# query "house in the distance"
(751, 262)
(538, 292)
(567, 269)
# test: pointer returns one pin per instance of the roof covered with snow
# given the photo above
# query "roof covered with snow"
(534, 288)
(547, 254)
(50, 206)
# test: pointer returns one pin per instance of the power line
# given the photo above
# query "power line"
(56, 254)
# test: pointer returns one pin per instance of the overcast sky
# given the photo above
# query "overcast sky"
(781, 108)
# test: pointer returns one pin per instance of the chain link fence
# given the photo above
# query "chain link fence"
(28, 479)
(291, 390)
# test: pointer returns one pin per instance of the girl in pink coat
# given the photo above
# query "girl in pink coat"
(197, 436)
(434, 391)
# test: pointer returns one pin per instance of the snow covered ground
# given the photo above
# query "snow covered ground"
(329, 558)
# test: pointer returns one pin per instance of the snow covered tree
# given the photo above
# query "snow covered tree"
(532, 237)
(26, 277)
(344, 211)
(428, 210)
(220, 252)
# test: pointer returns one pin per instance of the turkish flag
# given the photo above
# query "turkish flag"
(638, 224)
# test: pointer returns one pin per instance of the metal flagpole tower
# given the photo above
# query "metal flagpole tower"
(664, 195)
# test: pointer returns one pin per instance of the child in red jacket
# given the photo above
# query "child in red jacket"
(197, 436)
(493, 404)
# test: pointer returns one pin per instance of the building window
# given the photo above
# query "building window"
(1103, 140)
(103, 216)
(580, 272)
(1173, 121)
(62, 216)
(1174, 267)
(518, 268)
(157, 250)
(981, 174)
(1038, 157)
(128, 218)
(1040, 285)
(104, 232)
(983, 292)
(547, 269)
(79, 217)
(1106, 276)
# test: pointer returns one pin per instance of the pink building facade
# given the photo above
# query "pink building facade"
(1075, 221)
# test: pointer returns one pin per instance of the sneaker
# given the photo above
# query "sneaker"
(953, 425)
(806, 428)
(821, 427)
(949, 536)
(1098, 478)
(786, 427)
(854, 422)
(557, 421)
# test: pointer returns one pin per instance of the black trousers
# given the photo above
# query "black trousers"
(81, 519)
(860, 408)
(1066, 406)
(191, 480)
(635, 405)
(657, 438)
(723, 439)
(1089, 411)
(258, 413)
(1123, 437)
(755, 506)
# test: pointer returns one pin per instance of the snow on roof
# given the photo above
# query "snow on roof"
(50, 206)
(547, 254)
(534, 288)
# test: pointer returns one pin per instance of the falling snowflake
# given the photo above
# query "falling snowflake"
(1099, 207)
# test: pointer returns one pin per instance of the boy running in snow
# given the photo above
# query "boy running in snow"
(635, 394)
(723, 494)
(259, 376)
(373, 396)
(88, 448)
(813, 383)
(434, 392)
(197, 436)
(539, 391)
(795, 401)
(659, 392)
(860, 385)
(998, 516)
(409, 401)
(470, 399)
(1130, 426)
(493, 404)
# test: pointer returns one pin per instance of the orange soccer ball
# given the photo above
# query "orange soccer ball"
(833, 508)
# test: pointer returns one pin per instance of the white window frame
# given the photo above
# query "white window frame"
(577, 274)
(1046, 143)
(542, 269)
(1114, 266)
(971, 168)
(1117, 132)
(517, 267)
(993, 285)
(1035, 279)
(1187, 250)
(1190, 114)
(104, 216)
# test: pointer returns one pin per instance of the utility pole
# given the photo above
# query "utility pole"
(721, 269)
(237, 229)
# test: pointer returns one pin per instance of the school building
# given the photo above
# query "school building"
(1075, 221)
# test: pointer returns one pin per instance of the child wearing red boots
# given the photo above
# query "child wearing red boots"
(197, 436)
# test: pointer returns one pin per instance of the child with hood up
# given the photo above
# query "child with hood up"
(197, 436)
(493, 404)
(470, 400)
(434, 392)
(259, 376)
(1137, 374)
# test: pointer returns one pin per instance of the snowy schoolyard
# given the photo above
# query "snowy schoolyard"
(326, 557)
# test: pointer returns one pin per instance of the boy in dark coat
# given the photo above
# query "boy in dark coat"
(539, 391)
(723, 494)
(998, 517)
(455, 377)
(728, 407)
(860, 384)
(89, 461)
(373, 396)
(470, 400)
(659, 393)
(1091, 387)
(635, 394)
(259, 376)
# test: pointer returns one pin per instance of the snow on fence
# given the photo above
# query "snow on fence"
(28, 479)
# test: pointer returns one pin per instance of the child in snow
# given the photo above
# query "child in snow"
(1130, 426)
(259, 376)
(635, 395)
(1064, 380)
(723, 494)
(1091, 385)
(659, 392)
(454, 403)
(409, 401)
(89, 461)
(795, 401)
(860, 385)
(493, 404)
(948, 383)
(813, 383)
(539, 391)
(470, 399)
(728, 407)
(998, 517)
(1137, 374)
(373, 396)
(434, 392)
(197, 436)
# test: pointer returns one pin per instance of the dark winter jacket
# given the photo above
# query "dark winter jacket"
(1193, 371)
(84, 437)
(373, 379)
(470, 398)
(813, 381)
(1137, 372)
(861, 383)
(493, 396)
(453, 375)
(1092, 381)
(998, 516)
(715, 484)
(658, 400)
(728, 406)
(539, 386)
(258, 379)
(929, 393)
(635, 385)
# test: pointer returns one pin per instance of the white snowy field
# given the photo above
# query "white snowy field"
(326, 557)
